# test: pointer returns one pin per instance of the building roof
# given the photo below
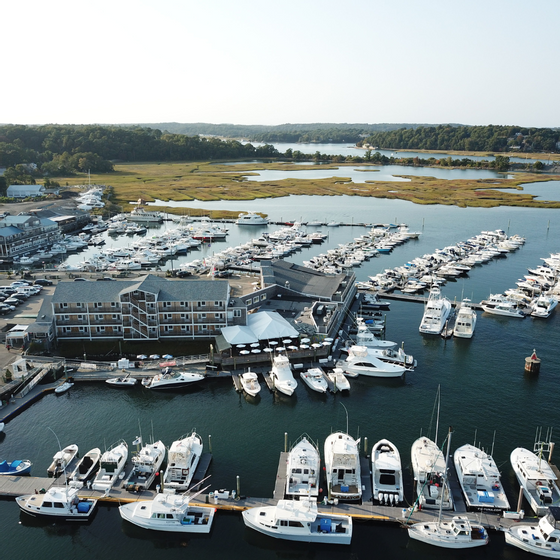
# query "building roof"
(301, 279)
(9, 230)
(166, 290)
(27, 188)
(269, 324)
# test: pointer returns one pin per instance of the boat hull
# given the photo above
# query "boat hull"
(433, 533)
(514, 540)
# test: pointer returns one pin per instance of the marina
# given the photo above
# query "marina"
(395, 409)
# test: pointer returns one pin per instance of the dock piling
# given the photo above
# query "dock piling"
(238, 488)
(285, 442)
(210, 443)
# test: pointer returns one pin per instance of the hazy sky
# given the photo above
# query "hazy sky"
(264, 62)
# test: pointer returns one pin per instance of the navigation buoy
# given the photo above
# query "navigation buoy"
(533, 363)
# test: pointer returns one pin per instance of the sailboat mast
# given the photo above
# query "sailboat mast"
(438, 405)
(445, 474)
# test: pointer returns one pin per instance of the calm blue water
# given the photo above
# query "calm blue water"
(482, 382)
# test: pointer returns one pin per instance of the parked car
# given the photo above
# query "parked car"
(13, 301)
(21, 297)
(81, 280)
(19, 283)
(43, 282)
(8, 290)
(6, 308)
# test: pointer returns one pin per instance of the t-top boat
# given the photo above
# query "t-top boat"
(315, 380)
(365, 337)
(500, 305)
(59, 503)
(111, 465)
(342, 467)
(542, 539)
(86, 466)
(172, 380)
(465, 321)
(338, 379)
(299, 520)
(184, 455)
(250, 383)
(436, 312)
(428, 465)
(364, 361)
(303, 468)
(62, 459)
(479, 478)
(543, 306)
(386, 473)
(536, 477)
(17, 467)
(145, 465)
(282, 375)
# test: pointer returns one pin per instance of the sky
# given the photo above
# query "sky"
(295, 61)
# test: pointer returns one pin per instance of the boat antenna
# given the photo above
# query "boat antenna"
(438, 406)
(60, 449)
(346, 416)
(445, 483)
(475, 432)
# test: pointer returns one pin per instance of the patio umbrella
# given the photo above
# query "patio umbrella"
(154, 357)
(280, 349)
(167, 357)
(305, 340)
(304, 346)
(328, 339)
(327, 343)
(141, 357)
(273, 343)
(268, 350)
(244, 352)
(240, 346)
(287, 341)
(255, 345)
(316, 345)
(292, 347)
(256, 351)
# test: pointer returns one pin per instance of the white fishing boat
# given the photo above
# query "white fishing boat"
(480, 480)
(365, 361)
(458, 533)
(338, 379)
(86, 466)
(145, 466)
(282, 376)
(250, 383)
(173, 380)
(303, 468)
(171, 513)
(536, 477)
(315, 379)
(386, 473)
(436, 312)
(542, 539)
(251, 219)
(111, 465)
(62, 459)
(342, 467)
(465, 321)
(299, 520)
(126, 381)
(58, 503)
(428, 466)
(543, 306)
(395, 356)
(182, 460)
(365, 337)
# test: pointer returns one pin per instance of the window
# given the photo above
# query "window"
(237, 312)
(64, 305)
(98, 304)
(65, 317)
(67, 329)
(202, 316)
(203, 327)
(248, 302)
(185, 328)
(263, 297)
(100, 329)
(256, 299)
(80, 317)
(117, 328)
(217, 304)
(82, 329)
(183, 304)
(201, 304)
(99, 317)
(113, 304)
(114, 317)
(219, 316)
(167, 328)
(166, 304)
(78, 304)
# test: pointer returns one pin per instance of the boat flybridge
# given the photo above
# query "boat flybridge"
(183, 457)
(465, 321)
(436, 312)
(342, 467)
(299, 520)
(282, 375)
(251, 219)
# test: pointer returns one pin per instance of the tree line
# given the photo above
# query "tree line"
(468, 138)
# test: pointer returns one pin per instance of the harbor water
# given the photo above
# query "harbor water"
(483, 390)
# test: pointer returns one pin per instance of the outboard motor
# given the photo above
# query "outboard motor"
(380, 497)
(391, 496)
(385, 499)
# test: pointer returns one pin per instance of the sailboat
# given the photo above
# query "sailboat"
(459, 532)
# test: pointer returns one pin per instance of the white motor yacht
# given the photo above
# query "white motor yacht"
(282, 376)
(251, 219)
(365, 337)
(303, 468)
(299, 520)
(184, 455)
(365, 361)
(62, 459)
(465, 321)
(169, 512)
(436, 312)
(141, 215)
(500, 305)
(536, 477)
(428, 465)
(58, 503)
(87, 465)
(338, 379)
(173, 380)
(315, 380)
(342, 467)
(543, 306)
(112, 464)
(145, 466)
(250, 383)
(542, 539)
(479, 478)
(386, 473)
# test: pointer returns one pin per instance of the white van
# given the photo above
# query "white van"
(28, 290)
